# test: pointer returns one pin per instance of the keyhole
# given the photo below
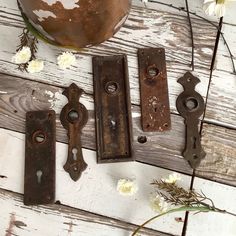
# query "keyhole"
(74, 152)
(39, 174)
(194, 142)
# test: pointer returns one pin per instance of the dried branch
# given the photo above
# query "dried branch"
(186, 200)
(26, 40)
(191, 32)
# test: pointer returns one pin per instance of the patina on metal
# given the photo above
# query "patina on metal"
(39, 187)
(154, 99)
(190, 105)
(74, 117)
(113, 109)
(75, 23)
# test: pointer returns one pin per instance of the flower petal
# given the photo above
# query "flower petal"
(65, 60)
(220, 10)
(23, 56)
(127, 187)
(35, 66)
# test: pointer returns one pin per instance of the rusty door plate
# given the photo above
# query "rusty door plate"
(74, 117)
(39, 187)
(190, 106)
(113, 109)
(155, 107)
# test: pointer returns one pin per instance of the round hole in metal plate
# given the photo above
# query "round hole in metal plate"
(112, 87)
(191, 104)
(152, 72)
(39, 137)
(73, 116)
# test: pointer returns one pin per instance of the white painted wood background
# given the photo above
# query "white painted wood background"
(92, 207)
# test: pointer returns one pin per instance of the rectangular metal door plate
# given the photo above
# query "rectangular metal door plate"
(113, 109)
(155, 107)
(40, 143)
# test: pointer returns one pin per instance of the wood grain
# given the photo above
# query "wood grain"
(221, 105)
(208, 224)
(96, 191)
(17, 96)
(220, 162)
(144, 28)
(17, 219)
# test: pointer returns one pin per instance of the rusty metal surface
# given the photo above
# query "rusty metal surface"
(154, 98)
(39, 187)
(190, 105)
(83, 24)
(112, 106)
(74, 117)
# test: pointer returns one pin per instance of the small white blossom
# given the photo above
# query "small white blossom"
(213, 7)
(209, 7)
(220, 9)
(23, 56)
(144, 1)
(65, 60)
(35, 66)
(127, 187)
(172, 178)
(158, 204)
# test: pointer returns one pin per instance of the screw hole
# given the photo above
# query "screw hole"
(166, 125)
(195, 157)
(142, 139)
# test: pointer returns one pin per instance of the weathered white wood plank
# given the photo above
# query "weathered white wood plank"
(221, 105)
(220, 162)
(17, 219)
(195, 6)
(208, 224)
(96, 190)
(144, 28)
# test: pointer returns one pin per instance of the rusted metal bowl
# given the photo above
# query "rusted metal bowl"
(75, 23)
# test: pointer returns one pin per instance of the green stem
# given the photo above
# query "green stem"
(183, 208)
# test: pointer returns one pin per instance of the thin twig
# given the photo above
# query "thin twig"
(216, 44)
(191, 32)
(208, 21)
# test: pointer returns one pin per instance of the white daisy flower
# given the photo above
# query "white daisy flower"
(35, 66)
(127, 187)
(172, 178)
(158, 204)
(23, 56)
(65, 60)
